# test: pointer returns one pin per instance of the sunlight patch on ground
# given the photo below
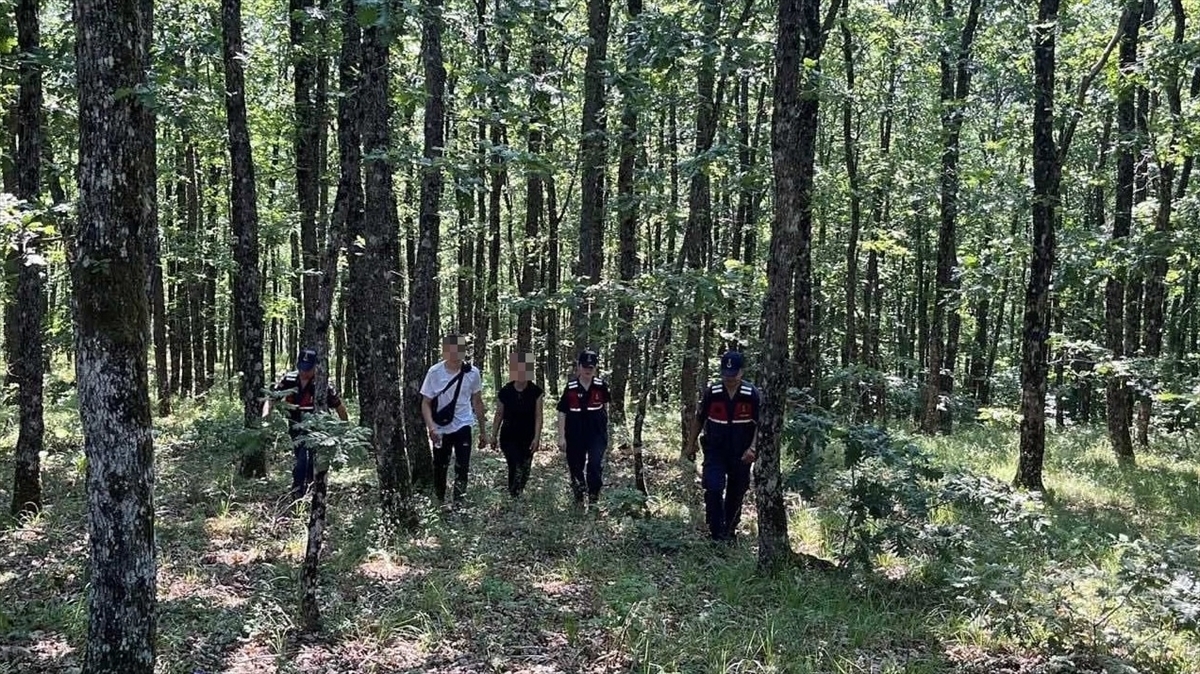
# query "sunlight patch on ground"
(234, 525)
(380, 566)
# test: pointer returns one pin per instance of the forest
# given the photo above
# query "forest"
(955, 240)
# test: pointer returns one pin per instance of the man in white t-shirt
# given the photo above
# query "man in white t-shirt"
(451, 400)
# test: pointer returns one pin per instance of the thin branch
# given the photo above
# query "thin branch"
(1064, 142)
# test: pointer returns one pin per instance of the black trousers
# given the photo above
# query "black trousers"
(519, 456)
(585, 462)
(457, 443)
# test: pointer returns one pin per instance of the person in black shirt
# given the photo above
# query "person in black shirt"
(583, 427)
(728, 414)
(301, 399)
(518, 423)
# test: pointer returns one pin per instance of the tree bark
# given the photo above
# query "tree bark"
(592, 154)
(306, 142)
(627, 212)
(380, 262)
(1118, 394)
(244, 222)
(498, 177)
(535, 208)
(955, 85)
(116, 175)
(800, 40)
(1047, 172)
(28, 365)
(1156, 292)
(699, 219)
(1048, 156)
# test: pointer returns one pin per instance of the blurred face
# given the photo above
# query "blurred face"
(520, 367)
(453, 348)
(586, 370)
(306, 375)
(735, 380)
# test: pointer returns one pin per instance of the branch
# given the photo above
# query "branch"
(1064, 141)
(830, 18)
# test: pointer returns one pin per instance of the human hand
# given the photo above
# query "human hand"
(434, 437)
(483, 441)
(749, 456)
(533, 447)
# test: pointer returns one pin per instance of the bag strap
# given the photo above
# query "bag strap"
(457, 382)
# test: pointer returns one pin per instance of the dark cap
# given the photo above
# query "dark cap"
(731, 364)
(307, 360)
(589, 358)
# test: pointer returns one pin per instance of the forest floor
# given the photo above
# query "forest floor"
(533, 586)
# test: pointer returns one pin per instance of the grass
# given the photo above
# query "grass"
(533, 587)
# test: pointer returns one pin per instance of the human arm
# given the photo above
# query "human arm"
(499, 418)
(481, 417)
(697, 423)
(538, 414)
(335, 403)
(751, 452)
(427, 415)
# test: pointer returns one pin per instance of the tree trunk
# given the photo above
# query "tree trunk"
(955, 85)
(498, 175)
(535, 208)
(158, 303)
(627, 212)
(180, 293)
(554, 281)
(380, 262)
(1118, 393)
(1047, 171)
(850, 148)
(592, 154)
(195, 286)
(244, 222)
(699, 219)
(1047, 178)
(348, 202)
(116, 138)
(28, 365)
(1155, 299)
(800, 40)
(307, 145)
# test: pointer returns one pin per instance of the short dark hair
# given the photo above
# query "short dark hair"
(454, 338)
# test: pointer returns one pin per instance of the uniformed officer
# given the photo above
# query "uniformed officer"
(728, 414)
(583, 427)
(301, 385)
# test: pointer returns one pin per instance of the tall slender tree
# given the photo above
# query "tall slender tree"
(303, 20)
(800, 39)
(244, 222)
(116, 209)
(592, 155)
(418, 343)
(379, 267)
(28, 365)
(1119, 397)
(627, 209)
(1049, 153)
(955, 68)
(1156, 293)
(535, 190)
